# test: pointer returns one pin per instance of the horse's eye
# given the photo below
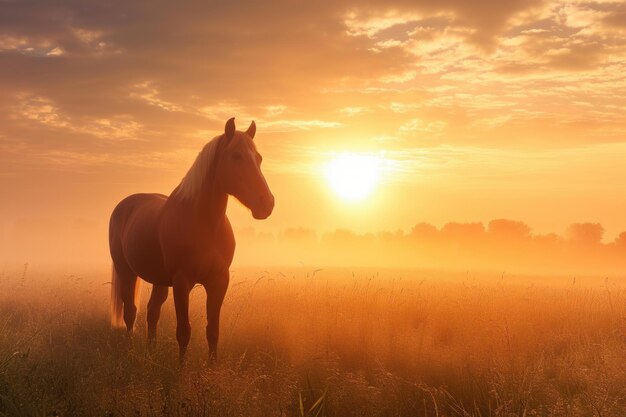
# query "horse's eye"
(237, 156)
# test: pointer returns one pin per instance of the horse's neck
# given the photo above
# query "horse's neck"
(203, 209)
(211, 209)
(204, 213)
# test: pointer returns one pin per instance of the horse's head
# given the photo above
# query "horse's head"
(239, 171)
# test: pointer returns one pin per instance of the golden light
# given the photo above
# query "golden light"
(352, 176)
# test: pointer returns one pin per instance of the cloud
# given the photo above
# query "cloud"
(353, 110)
(616, 18)
(44, 111)
(33, 47)
(452, 75)
(290, 125)
(421, 126)
(147, 92)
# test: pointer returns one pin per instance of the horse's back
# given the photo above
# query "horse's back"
(136, 207)
(133, 236)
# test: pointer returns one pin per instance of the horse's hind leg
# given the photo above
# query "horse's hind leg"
(157, 298)
(129, 289)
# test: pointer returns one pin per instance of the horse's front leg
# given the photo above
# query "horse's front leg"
(181, 289)
(215, 291)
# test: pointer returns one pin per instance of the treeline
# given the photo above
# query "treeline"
(501, 244)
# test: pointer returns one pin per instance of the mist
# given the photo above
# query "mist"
(498, 245)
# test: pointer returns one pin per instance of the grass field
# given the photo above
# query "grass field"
(329, 342)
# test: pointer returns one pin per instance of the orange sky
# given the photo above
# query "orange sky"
(478, 109)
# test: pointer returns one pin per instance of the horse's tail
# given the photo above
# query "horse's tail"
(117, 305)
(117, 302)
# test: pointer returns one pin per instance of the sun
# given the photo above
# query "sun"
(353, 176)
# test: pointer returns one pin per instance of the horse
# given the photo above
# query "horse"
(186, 238)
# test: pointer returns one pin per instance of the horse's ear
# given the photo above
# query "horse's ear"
(251, 130)
(229, 129)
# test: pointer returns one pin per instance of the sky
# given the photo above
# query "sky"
(473, 109)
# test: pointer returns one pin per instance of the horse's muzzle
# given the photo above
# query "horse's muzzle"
(264, 207)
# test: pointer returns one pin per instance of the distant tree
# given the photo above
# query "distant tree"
(341, 235)
(368, 237)
(299, 233)
(387, 235)
(585, 233)
(549, 239)
(509, 229)
(424, 231)
(621, 240)
(463, 230)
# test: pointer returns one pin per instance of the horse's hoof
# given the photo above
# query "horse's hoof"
(152, 343)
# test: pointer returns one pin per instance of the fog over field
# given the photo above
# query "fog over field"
(498, 245)
(335, 342)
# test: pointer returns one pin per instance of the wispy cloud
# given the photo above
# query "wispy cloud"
(44, 111)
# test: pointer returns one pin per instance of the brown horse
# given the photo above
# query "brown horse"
(186, 238)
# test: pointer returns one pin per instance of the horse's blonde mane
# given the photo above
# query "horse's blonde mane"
(191, 185)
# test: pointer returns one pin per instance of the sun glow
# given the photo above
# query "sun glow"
(353, 177)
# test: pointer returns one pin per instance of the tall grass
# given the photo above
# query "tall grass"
(323, 343)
